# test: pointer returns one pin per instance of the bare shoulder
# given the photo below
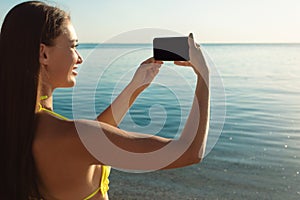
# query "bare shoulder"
(59, 139)
(51, 127)
(76, 140)
(66, 138)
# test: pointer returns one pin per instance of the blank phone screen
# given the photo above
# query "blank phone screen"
(171, 49)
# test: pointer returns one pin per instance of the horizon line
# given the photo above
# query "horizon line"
(146, 43)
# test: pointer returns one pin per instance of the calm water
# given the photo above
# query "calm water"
(257, 154)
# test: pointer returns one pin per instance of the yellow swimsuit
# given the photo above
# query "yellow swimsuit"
(105, 169)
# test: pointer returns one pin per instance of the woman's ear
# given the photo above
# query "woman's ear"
(43, 54)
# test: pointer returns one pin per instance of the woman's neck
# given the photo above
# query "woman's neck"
(46, 101)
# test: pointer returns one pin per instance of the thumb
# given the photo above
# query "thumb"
(191, 41)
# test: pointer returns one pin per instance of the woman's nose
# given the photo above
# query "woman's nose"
(79, 59)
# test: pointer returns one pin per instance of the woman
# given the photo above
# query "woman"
(42, 155)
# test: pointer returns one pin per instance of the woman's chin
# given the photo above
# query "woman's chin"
(70, 83)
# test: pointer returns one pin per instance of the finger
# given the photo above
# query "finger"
(157, 65)
(149, 60)
(154, 72)
(159, 62)
(152, 60)
(157, 68)
(151, 65)
(182, 63)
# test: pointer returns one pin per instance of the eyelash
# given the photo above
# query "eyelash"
(75, 46)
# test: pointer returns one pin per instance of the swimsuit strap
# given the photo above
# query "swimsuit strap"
(52, 112)
(92, 195)
(49, 111)
(103, 188)
(44, 97)
(104, 179)
(103, 184)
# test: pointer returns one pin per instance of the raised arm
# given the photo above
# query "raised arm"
(109, 145)
(142, 78)
(198, 119)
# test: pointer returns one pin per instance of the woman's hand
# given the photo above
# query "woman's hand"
(142, 78)
(197, 61)
(146, 73)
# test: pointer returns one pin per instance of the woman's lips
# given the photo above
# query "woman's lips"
(73, 71)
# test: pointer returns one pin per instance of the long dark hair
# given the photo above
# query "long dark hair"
(25, 27)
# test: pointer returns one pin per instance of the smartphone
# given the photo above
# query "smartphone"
(171, 49)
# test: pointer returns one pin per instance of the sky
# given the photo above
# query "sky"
(211, 21)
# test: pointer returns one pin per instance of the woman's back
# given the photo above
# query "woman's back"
(61, 168)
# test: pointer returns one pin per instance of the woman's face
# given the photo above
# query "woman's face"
(63, 58)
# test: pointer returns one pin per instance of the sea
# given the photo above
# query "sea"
(253, 149)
